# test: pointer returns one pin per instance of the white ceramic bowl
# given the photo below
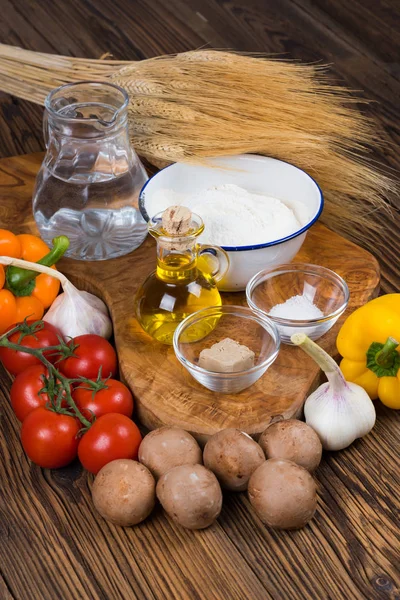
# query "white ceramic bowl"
(257, 174)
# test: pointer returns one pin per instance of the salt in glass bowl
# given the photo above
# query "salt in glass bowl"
(239, 323)
(323, 287)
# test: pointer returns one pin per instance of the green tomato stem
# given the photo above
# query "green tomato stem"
(10, 332)
(55, 373)
(94, 386)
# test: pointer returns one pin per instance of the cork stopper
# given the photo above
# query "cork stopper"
(177, 220)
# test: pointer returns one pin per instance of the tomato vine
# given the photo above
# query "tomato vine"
(57, 386)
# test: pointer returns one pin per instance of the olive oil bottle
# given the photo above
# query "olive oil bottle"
(178, 287)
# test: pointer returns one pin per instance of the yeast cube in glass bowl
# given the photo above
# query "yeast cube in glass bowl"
(308, 289)
(208, 326)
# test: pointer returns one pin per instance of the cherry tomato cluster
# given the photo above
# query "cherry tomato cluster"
(67, 398)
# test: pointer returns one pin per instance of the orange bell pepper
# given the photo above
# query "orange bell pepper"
(8, 310)
(25, 293)
(33, 249)
(9, 244)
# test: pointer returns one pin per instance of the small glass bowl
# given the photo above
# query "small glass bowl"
(323, 287)
(208, 326)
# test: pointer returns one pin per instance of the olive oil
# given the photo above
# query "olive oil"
(177, 288)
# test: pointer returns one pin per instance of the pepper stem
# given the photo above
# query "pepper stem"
(384, 359)
(21, 282)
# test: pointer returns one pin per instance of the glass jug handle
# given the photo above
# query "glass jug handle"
(216, 258)
(46, 129)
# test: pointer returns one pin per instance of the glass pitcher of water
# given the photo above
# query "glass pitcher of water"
(90, 179)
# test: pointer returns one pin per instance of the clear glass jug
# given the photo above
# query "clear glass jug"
(90, 179)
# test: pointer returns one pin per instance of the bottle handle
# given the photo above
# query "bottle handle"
(45, 125)
(217, 260)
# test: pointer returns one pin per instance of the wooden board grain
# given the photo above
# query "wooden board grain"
(165, 393)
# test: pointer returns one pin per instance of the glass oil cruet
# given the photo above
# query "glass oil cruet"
(89, 182)
(178, 287)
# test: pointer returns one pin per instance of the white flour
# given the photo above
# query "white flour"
(296, 308)
(235, 217)
(299, 308)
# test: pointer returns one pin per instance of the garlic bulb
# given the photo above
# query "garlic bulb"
(74, 312)
(339, 411)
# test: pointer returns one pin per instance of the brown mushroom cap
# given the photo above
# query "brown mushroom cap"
(191, 496)
(233, 456)
(283, 494)
(292, 440)
(163, 449)
(124, 492)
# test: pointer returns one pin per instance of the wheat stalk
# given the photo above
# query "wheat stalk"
(209, 103)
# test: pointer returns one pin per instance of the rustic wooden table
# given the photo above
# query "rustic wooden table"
(52, 545)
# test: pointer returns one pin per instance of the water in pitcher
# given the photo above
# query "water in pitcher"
(97, 231)
(90, 180)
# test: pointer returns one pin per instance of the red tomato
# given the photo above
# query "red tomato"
(110, 437)
(116, 398)
(49, 439)
(25, 390)
(92, 352)
(16, 362)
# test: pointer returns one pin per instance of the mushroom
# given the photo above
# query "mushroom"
(168, 447)
(292, 440)
(283, 494)
(124, 492)
(191, 496)
(233, 456)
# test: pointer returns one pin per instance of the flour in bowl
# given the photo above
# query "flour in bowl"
(235, 217)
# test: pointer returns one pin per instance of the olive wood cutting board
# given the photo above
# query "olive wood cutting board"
(165, 393)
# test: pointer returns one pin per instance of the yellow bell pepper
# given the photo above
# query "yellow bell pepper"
(368, 342)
